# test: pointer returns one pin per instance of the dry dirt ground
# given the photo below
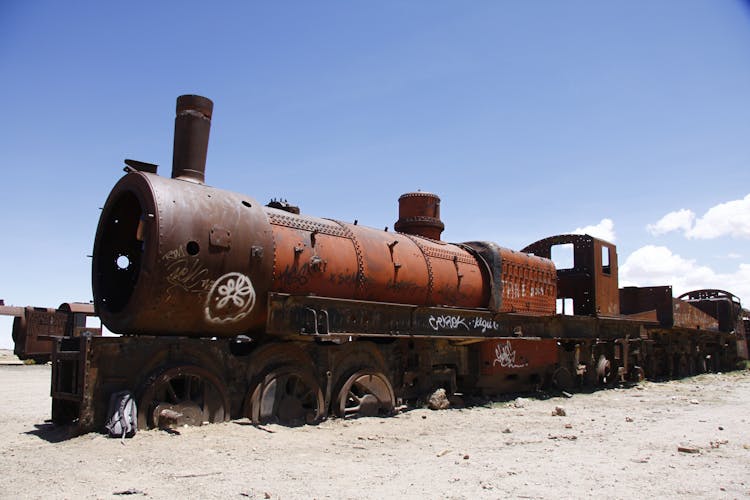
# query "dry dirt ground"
(688, 438)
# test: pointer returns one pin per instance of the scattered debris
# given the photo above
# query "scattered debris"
(688, 449)
(520, 403)
(443, 453)
(716, 444)
(628, 419)
(131, 491)
(264, 429)
(569, 437)
(559, 411)
(694, 402)
(183, 476)
(438, 400)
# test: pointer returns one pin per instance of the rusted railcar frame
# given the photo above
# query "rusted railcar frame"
(324, 317)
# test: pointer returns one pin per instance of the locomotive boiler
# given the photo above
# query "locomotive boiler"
(174, 256)
(228, 308)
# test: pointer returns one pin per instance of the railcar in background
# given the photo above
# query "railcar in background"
(35, 328)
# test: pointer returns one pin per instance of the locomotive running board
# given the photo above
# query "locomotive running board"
(325, 317)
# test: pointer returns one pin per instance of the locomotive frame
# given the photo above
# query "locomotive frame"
(232, 310)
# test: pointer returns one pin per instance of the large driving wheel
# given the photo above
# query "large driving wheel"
(183, 395)
(287, 396)
(562, 379)
(366, 393)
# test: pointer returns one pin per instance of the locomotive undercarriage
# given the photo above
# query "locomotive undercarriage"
(294, 378)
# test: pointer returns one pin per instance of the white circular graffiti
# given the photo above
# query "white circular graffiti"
(231, 298)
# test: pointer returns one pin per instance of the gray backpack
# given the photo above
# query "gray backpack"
(122, 417)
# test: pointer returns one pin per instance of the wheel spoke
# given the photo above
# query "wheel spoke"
(188, 386)
(351, 410)
(171, 392)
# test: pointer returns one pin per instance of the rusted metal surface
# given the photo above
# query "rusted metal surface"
(688, 316)
(592, 282)
(528, 283)
(656, 304)
(339, 259)
(323, 317)
(652, 303)
(153, 274)
(719, 304)
(419, 215)
(33, 332)
(519, 282)
(509, 356)
(34, 328)
(191, 130)
(11, 310)
(726, 308)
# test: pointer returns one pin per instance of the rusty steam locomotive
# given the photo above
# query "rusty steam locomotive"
(228, 309)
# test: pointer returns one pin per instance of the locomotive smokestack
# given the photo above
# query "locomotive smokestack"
(191, 128)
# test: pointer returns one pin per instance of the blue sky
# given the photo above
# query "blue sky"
(626, 119)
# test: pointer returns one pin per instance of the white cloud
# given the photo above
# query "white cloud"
(605, 230)
(725, 219)
(681, 220)
(657, 265)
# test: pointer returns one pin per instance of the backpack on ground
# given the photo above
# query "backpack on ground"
(122, 416)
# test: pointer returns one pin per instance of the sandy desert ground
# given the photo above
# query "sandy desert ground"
(688, 438)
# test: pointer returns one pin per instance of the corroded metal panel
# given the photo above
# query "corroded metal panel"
(329, 318)
(155, 274)
(688, 316)
(653, 303)
(338, 259)
(592, 282)
(419, 215)
(528, 283)
(34, 328)
(721, 305)
(511, 355)
(33, 332)
(518, 282)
